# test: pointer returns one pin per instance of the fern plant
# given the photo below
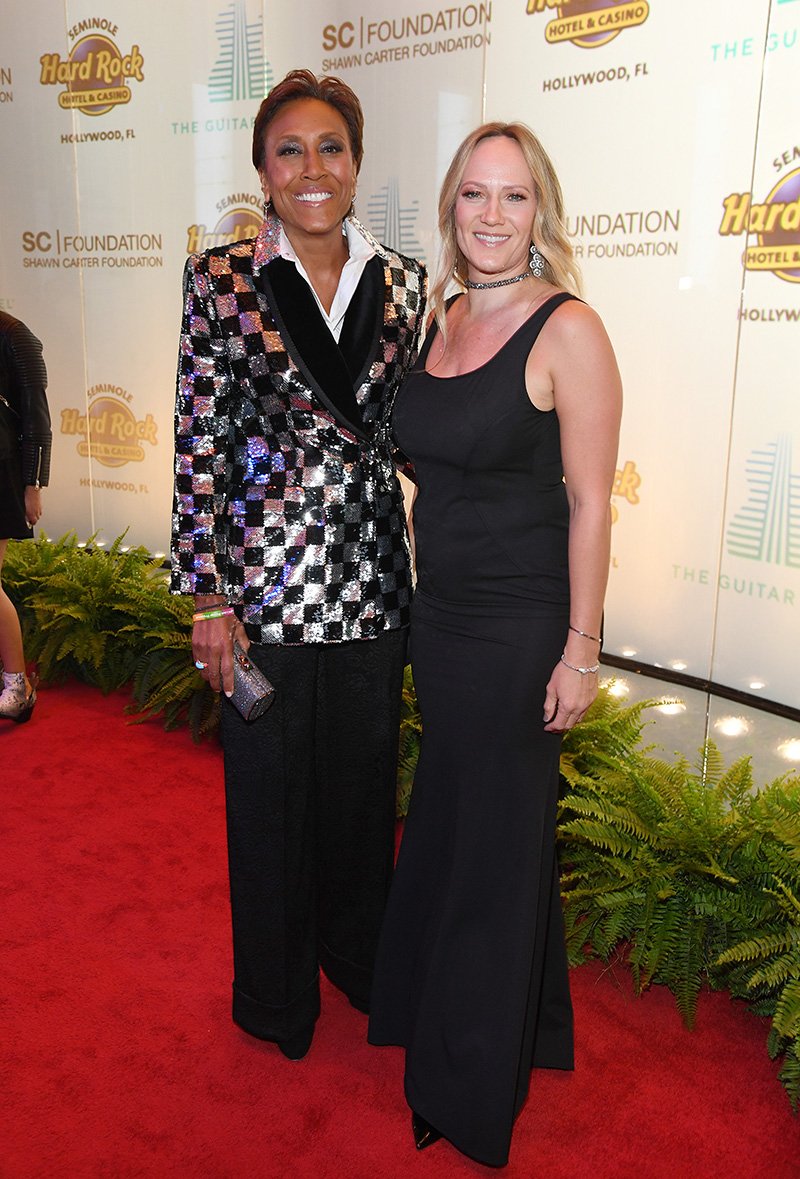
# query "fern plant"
(106, 617)
(764, 965)
(80, 608)
(652, 860)
(410, 737)
(687, 869)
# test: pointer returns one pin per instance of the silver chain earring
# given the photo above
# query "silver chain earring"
(537, 262)
(267, 207)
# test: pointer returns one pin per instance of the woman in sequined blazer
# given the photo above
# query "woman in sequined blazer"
(287, 508)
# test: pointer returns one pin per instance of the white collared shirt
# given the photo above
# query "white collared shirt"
(360, 253)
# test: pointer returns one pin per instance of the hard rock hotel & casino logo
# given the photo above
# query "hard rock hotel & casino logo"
(96, 73)
(774, 223)
(588, 23)
(239, 217)
(108, 430)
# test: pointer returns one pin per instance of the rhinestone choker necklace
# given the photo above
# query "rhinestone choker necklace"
(501, 282)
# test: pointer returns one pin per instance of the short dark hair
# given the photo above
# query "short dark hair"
(303, 84)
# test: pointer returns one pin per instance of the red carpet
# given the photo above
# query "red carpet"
(119, 1058)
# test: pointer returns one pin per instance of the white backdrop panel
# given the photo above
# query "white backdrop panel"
(656, 115)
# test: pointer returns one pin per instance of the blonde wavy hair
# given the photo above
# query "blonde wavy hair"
(549, 230)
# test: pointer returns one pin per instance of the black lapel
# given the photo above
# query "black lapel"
(309, 342)
(363, 322)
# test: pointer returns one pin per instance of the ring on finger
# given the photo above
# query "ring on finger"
(200, 665)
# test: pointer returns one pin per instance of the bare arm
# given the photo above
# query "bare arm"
(410, 496)
(587, 396)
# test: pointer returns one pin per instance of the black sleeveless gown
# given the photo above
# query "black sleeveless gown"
(471, 975)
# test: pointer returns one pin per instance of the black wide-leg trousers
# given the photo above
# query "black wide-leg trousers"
(310, 797)
(472, 974)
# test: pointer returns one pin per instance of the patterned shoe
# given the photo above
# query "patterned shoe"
(16, 702)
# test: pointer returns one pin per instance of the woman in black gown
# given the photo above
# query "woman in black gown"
(511, 420)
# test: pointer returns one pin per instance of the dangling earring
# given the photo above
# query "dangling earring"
(271, 225)
(537, 262)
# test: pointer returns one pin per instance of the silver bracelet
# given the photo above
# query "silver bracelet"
(594, 638)
(580, 670)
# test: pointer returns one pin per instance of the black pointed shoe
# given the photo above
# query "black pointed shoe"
(424, 1132)
(296, 1046)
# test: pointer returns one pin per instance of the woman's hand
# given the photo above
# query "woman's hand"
(568, 697)
(212, 646)
(33, 505)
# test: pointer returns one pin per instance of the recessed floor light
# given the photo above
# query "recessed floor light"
(790, 749)
(671, 707)
(732, 726)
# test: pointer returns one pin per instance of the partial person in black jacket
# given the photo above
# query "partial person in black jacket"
(25, 442)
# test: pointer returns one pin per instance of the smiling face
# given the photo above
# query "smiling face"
(494, 210)
(308, 170)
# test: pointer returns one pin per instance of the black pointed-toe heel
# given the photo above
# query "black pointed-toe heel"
(424, 1132)
(297, 1046)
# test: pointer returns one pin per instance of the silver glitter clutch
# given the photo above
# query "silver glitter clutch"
(252, 691)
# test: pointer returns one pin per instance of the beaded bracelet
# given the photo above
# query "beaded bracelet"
(212, 612)
(580, 670)
(594, 638)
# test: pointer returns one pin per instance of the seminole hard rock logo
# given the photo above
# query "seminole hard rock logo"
(775, 224)
(240, 218)
(96, 73)
(589, 23)
(110, 432)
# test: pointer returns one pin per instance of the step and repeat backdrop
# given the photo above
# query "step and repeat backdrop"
(675, 130)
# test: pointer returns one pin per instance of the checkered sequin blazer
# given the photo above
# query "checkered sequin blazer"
(282, 504)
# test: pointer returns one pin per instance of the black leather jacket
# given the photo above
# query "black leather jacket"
(24, 416)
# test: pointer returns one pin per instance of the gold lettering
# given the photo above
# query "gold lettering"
(790, 218)
(195, 238)
(49, 63)
(147, 429)
(627, 483)
(72, 422)
(775, 210)
(133, 64)
(737, 207)
(758, 218)
(108, 67)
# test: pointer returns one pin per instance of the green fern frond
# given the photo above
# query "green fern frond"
(756, 949)
(786, 1019)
